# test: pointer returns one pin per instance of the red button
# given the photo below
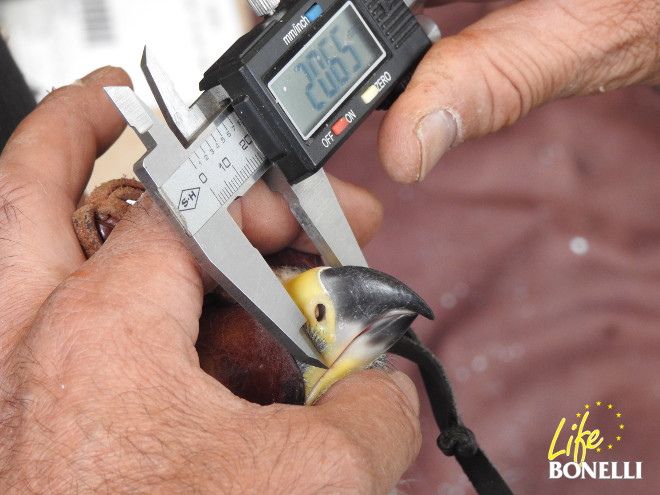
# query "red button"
(340, 126)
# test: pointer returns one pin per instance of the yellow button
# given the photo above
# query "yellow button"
(369, 94)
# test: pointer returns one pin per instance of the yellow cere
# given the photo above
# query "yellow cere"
(308, 293)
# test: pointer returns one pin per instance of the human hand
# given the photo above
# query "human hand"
(101, 385)
(513, 60)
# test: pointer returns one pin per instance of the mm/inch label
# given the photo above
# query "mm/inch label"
(214, 173)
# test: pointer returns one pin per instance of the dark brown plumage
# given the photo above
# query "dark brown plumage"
(242, 355)
(237, 351)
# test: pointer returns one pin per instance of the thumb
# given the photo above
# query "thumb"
(511, 61)
(381, 426)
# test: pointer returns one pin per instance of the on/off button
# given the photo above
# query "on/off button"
(339, 126)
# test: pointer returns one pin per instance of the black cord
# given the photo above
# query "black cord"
(455, 438)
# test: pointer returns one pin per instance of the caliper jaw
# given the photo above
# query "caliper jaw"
(314, 204)
(183, 121)
(206, 227)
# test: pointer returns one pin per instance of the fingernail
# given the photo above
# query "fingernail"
(437, 133)
(407, 387)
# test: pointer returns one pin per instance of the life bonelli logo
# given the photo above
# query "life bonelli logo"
(587, 448)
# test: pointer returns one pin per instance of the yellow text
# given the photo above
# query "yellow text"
(578, 444)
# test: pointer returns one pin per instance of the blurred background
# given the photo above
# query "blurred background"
(56, 42)
(538, 247)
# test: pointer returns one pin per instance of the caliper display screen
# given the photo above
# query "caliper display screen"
(316, 81)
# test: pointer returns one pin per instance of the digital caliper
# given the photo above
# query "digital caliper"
(276, 105)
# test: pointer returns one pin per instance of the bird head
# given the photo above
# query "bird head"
(353, 316)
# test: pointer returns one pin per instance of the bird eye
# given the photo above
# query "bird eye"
(319, 312)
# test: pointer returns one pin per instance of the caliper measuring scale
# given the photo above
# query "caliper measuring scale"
(245, 126)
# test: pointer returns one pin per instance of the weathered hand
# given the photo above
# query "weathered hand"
(100, 383)
(513, 60)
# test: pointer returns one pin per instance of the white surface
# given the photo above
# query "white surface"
(58, 41)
